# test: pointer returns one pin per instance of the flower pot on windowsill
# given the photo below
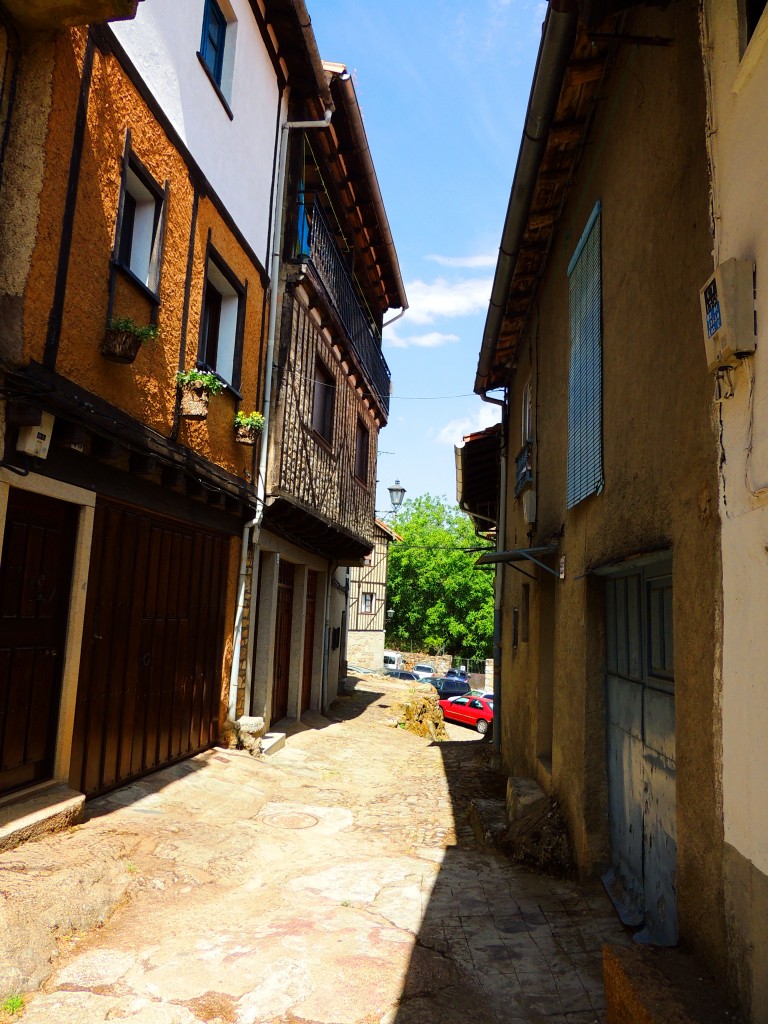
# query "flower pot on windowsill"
(123, 338)
(196, 387)
(248, 427)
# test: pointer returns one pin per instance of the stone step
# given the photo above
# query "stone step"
(271, 742)
(51, 808)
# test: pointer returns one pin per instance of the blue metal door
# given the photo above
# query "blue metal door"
(640, 703)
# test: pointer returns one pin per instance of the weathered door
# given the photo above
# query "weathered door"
(309, 639)
(35, 584)
(283, 625)
(150, 672)
(640, 701)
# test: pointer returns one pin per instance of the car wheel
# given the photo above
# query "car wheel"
(482, 726)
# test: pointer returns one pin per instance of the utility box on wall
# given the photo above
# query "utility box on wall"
(728, 313)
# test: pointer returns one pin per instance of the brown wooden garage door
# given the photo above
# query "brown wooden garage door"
(150, 675)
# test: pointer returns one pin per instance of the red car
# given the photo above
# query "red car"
(469, 710)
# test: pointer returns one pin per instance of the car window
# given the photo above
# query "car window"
(476, 704)
(460, 700)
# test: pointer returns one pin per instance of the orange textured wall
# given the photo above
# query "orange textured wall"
(215, 435)
(69, 50)
(145, 389)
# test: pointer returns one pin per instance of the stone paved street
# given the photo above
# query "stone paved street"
(337, 881)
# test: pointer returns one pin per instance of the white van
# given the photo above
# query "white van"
(392, 660)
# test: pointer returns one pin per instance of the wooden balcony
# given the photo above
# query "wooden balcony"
(318, 247)
(51, 15)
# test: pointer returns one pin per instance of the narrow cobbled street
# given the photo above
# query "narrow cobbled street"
(337, 881)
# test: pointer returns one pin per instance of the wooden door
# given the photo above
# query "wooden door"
(283, 625)
(150, 674)
(640, 703)
(309, 639)
(35, 584)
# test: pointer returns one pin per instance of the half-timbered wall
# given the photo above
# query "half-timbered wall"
(369, 579)
(320, 474)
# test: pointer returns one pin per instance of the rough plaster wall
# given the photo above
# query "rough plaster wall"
(38, 298)
(145, 389)
(738, 140)
(659, 452)
(214, 437)
(26, 170)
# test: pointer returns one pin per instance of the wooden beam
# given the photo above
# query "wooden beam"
(583, 71)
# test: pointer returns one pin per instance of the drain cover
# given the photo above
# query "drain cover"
(290, 819)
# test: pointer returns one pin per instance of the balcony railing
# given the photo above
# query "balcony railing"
(319, 246)
(523, 468)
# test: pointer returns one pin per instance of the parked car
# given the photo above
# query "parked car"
(450, 687)
(393, 659)
(469, 710)
(400, 673)
(456, 673)
(425, 670)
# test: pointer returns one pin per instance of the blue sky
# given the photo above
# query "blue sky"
(443, 86)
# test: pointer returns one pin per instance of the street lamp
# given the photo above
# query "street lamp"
(390, 613)
(396, 495)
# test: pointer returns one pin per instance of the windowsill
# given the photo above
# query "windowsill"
(361, 483)
(216, 86)
(323, 442)
(129, 274)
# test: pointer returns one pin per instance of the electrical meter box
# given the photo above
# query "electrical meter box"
(728, 313)
(36, 440)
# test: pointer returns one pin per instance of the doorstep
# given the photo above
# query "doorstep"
(52, 807)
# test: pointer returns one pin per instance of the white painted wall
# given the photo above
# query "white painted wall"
(738, 140)
(236, 156)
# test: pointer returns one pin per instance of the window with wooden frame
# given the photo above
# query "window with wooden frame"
(139, 236)
(362, 448)
(323, 401)
(222, 322)
(367, 602)
(217, 48)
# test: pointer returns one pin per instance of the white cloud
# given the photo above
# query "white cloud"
(487, 260)
(432, 339)
(453, 433)
(442, 298)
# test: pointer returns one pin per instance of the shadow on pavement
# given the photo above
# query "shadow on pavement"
(149, 786)
(498, 943)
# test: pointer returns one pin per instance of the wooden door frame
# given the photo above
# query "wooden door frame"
(86, 500)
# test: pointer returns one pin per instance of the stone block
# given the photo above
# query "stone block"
(249, 730)
(522, 794)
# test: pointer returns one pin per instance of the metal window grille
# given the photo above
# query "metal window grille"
(585, 403)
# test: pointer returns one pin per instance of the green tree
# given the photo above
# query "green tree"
(439, 598)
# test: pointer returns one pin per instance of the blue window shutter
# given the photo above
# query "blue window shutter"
(585, 401)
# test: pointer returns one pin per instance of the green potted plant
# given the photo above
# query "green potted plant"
(124, 337)
(196, 387)
(248, 426)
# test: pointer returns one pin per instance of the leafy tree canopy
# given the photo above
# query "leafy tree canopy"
(440, 600)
